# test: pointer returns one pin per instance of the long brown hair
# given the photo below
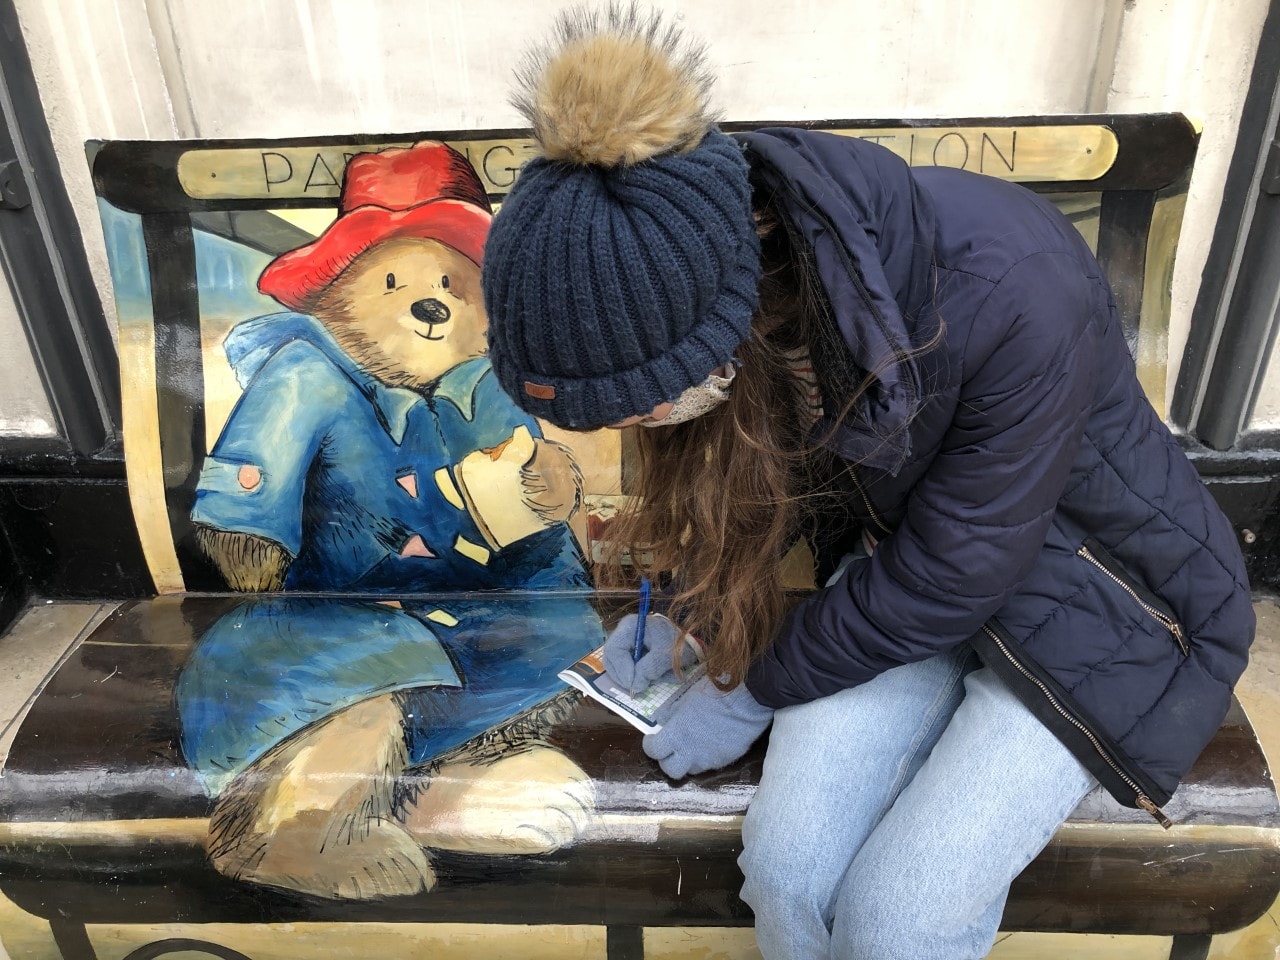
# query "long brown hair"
(724, 495)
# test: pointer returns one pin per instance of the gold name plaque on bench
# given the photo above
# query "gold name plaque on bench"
(1025, 153)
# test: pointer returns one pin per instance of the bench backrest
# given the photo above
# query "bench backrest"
(190, 225)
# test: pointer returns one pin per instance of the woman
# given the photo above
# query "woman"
(921, 370)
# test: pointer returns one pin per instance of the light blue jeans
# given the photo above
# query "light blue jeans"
(892, 817)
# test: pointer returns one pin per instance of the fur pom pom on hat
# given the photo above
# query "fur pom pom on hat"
(623, 266)
(615, 88)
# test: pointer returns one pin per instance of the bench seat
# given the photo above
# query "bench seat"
(102, 821)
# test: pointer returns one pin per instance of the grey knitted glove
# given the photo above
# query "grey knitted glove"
(705, 728)
(660, 635)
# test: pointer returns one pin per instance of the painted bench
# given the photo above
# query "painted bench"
(104, 821)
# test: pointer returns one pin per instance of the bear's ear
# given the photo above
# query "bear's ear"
(615, 89)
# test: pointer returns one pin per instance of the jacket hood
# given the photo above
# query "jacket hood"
(252, 343)
(870, 229)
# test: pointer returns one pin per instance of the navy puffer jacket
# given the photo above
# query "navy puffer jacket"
(1028, 497)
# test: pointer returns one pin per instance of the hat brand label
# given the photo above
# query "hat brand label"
(540, 391)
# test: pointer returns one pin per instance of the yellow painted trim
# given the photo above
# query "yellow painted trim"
(472, 551)
(1008, 151)
(143, 464)
(1218, 836)
(120, 832)
(620, 825)
(449, 488)
(282, 171)
(442, 617)
(1057, 153)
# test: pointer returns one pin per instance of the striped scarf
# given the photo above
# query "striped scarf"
(801, 367)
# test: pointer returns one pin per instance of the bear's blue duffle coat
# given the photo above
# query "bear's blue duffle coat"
(1028, 498)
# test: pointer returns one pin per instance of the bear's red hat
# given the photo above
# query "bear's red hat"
(428, 190)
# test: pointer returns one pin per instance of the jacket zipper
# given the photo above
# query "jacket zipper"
(1141, 798)
(1170, 624)
(871, 510)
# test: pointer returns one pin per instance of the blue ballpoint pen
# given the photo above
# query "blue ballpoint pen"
(637, 651)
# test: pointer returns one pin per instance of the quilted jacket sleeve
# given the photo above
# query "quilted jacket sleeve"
(975, 523)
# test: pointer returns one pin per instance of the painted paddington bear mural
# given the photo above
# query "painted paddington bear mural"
(372, 453)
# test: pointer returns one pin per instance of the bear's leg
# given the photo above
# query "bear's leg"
(533, 800)
(315, 813)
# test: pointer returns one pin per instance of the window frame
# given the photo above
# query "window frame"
(1235, 318)
(42, 257)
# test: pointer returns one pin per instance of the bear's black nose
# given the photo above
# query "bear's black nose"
(430, 311)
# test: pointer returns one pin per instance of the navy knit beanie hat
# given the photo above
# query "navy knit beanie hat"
(623, 267)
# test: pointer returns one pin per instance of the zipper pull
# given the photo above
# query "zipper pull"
(1145, 803)
(1174, 628)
